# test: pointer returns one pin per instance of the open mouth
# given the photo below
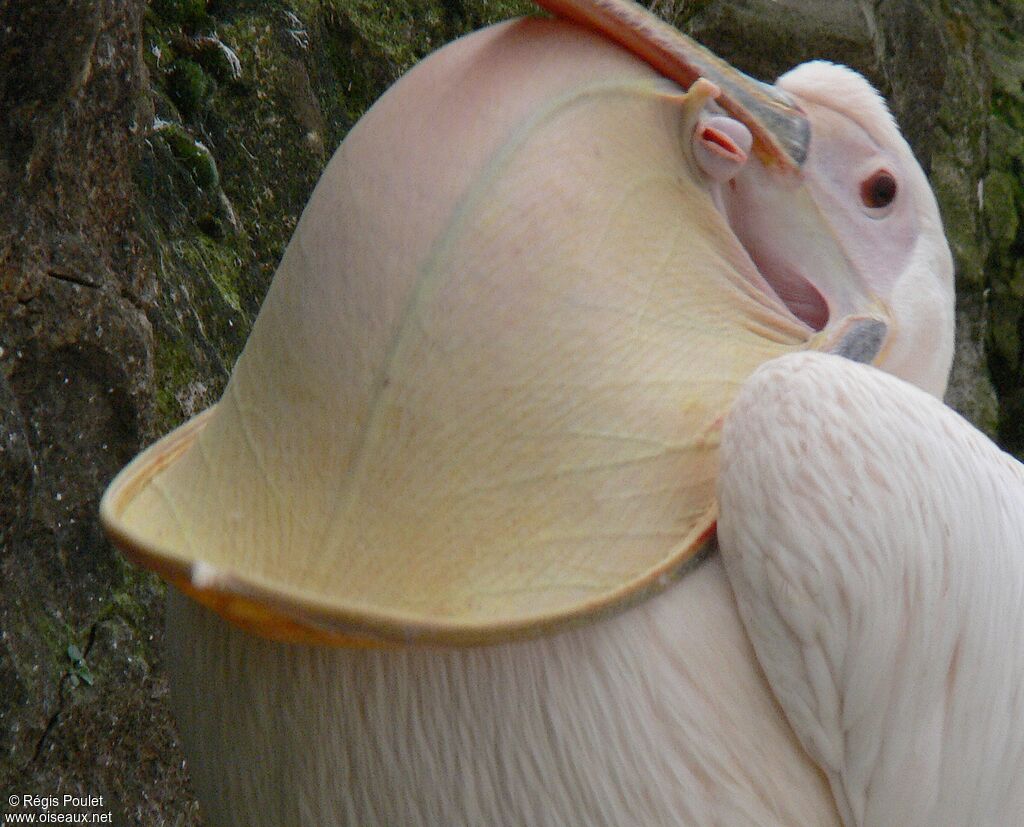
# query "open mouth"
(798, 293)
(764, 238)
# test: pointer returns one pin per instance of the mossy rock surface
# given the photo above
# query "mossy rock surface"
(156, 159)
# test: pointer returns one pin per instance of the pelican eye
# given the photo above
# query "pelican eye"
(878, 190)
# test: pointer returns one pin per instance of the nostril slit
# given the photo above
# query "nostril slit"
(718, 141)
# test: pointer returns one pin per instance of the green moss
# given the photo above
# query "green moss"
(188, 86)
(196, 159)
(159, 53)
(1000, 207)
(401, 31)
(1004, 206)
(200, 327)
(218, 59)
(134, 588)
(191, 13)
(175, 371)
(1016, 282)
(135, 596)
(1004, 328)
(221, 265)
(959, 218)
(55, 635)
(1006, 142)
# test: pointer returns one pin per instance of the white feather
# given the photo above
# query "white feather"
(844, 90)
(875, 542)
(659, 716)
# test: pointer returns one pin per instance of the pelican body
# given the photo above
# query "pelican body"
(445, 549)
(874, 541)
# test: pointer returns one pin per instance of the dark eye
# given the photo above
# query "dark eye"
(879, 190)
